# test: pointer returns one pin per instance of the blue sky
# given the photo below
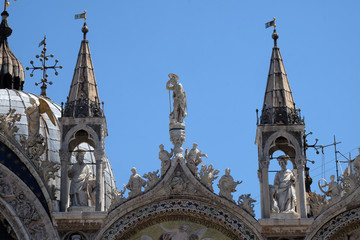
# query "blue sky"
(221, 52)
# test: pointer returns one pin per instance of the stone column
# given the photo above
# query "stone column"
(177, 137)
(301, 179)
(99, 155)
(265, 195)
(64, 186)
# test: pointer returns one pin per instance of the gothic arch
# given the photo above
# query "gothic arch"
(92, 136)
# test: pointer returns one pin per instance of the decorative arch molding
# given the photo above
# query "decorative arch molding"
(282, 133)
(338, 219)
(13, 158)
(181, 209)
(92, 135)
(23, 210)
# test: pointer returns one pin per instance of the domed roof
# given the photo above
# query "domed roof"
(19, 101)
(12, 74)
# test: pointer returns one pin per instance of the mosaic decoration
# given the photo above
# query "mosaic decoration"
(187, 208)
(334, 227)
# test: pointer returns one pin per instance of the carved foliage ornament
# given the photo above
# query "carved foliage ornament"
(24, 208)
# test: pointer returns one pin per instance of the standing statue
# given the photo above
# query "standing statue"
(164, 157)
(227, 185)
(35, 142)
(135, 184)
(193, 158)
(79, 175)
(334, 189)
(284, 193)
(179, 97)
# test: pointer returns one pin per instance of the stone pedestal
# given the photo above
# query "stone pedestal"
(81, 209)
(177, 137)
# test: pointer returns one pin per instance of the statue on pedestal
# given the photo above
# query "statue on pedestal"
(135, 184)
(193, 158)
(227, 185)
(164, 157)
(179, 97)
(284, 192)
(79, 175)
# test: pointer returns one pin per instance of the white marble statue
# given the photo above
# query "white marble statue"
(193, 158)
(178, 184)
(152, 179)
(79, 175)
(164, 157)
(135, 184)
(227, 185)
(334, 189)
(179, 97)
(284, 193)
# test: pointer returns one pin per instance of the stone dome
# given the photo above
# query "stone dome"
(19, 100)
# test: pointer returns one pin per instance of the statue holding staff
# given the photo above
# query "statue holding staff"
(179, 97)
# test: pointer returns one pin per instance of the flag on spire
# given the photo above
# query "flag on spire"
(42, 42)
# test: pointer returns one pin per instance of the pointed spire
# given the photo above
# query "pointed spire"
(83, 99)
(12, 74)
(279, 106)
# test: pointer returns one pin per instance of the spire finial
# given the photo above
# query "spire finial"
(275, 36)
(43, 58)
(85, 30)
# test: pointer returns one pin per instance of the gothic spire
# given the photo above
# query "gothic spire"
(12, 74)
(279, 106)
(83, 99)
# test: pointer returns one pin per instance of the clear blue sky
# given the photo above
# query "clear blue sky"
(221, 51)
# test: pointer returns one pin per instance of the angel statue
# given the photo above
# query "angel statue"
(334, 189)
(179, 97)
(35, 142)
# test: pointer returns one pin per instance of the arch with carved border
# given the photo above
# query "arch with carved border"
(92, 138)
(16, 150)
(337, 219)
(26, 214)
(157, 196)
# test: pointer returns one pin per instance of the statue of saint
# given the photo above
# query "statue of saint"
(79, 175)
(33, 113)
(227, 185)
(179, 97)
(193, 158)
(164, 157)
(284, 193)
(135, 184)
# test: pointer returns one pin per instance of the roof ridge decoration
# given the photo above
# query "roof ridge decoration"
(12, 74)
(83, 99)
(279, 106)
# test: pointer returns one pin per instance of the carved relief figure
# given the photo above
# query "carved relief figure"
(152, 178)
(193, 158)
(208, 175)
(179, 97)
(182, 233)
(177, 184)
(135, 184)
(284, 188)
(164, 157)
(79, 175)
(227, 185)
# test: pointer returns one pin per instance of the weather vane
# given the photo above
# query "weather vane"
(271, 23)
(43, 58)
(7, 3)
(81, 15)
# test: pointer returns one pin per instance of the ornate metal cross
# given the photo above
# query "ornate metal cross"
(43, 58)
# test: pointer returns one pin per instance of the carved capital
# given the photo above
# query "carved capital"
(300, 162)
(264, 162)
(99, 154)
